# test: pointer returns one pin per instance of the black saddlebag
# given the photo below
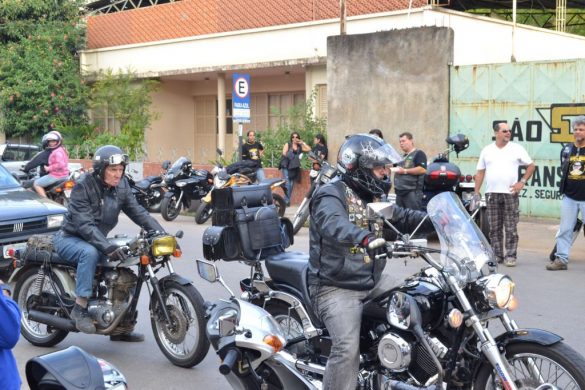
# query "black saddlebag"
(247, 226)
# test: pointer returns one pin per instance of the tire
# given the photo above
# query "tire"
(290, 324)
(37, 333)
(156, 205)
(184, 341)
(558, 364)
(301, 216)
(169, 208)
(279, 203)
(203, 212)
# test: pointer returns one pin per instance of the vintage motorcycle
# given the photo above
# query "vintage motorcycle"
(184, 184)
(431, 332)
(45, 293)
(236, 174)
(150, 191)
(320, 177)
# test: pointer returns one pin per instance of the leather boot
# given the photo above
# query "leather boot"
(83, 321)
(132, 337)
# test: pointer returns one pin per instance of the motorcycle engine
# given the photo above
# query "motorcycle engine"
(394, 352)
(119, 284)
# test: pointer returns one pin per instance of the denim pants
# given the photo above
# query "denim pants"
(260, 177)
(569, 211)
(77, 251)
(341, 313)
(289, 186)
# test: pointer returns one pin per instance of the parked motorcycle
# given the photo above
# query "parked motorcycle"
(45, 293)
(237, 174)
(432, 331)
(150, 191)
(443, 175)
(72, 369)
(60, 191)
(320, 177)
(184, 184)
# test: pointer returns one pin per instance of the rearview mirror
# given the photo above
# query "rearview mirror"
(179, 234)
(166, 164)
(380, 209)
(219, 152)
(207, 271)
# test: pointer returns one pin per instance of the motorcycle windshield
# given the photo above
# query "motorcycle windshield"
(178, 165)
(464, 249)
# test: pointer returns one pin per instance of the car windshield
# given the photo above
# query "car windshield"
(6, 179)
(462, 242)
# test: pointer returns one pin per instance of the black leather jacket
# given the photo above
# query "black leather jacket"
(333, 258)
(94, 209)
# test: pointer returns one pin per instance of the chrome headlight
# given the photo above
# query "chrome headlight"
(498, 290)
(181, 184)
(164, 246)
(54, 221)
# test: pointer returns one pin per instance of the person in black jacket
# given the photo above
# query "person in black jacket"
(96, 202)
(347, 251)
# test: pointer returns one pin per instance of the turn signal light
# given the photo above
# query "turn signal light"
(68, 185)
(455, 318)
(178, 253)
(144, 260)
(274, 341)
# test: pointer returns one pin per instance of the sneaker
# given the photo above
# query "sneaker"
(83, 321)
(510, 262)
(556, 265)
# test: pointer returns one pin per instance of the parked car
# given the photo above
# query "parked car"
(14, 156)
(22, 214)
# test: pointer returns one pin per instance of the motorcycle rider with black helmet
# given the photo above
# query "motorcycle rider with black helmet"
(347, 251)
(96, 201)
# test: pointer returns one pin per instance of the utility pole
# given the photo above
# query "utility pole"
(342, 17)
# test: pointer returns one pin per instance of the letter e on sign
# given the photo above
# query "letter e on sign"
(241, 87)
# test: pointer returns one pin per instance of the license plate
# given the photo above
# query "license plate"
(16, 247)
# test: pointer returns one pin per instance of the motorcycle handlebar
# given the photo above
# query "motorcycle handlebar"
(229, 361)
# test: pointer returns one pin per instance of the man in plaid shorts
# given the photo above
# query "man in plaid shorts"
(499, 163)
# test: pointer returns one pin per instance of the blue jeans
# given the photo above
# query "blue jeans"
(289, 185)
(569, 211)
(341, 313)
(77, 251)
(260, 175)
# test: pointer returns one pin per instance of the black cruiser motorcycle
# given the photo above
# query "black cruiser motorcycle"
(434, 331)
(45, 293)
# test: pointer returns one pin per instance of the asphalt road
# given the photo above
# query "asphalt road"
(554, 301)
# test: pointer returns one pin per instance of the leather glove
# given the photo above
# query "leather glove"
(375, 247)
(118, 254)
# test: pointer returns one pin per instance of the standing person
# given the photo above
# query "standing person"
(499, 163)
(253, 150)
(409, 176)
(9, 333)
(347, 253)
(290, 162)
(96, 202)
(573, 189)
(320, 150)
(58, 163)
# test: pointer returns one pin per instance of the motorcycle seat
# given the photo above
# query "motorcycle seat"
(270, 181)
(39, 257)
(56, 184)
(144, 184)
(289, 271)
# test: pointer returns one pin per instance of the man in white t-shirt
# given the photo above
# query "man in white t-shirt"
(499, 163)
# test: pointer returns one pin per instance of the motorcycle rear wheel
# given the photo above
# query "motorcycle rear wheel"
(557, 364)
(301, 216)
(203, 212)
(279, 203)
(183, 341)
(36, 333)
(169, 208)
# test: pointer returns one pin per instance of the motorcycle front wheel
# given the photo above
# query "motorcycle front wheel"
(170, 208)
(279, 203)
(203, 212)
(532, 365)
(301, 216)
(183, 340)
(37, 333)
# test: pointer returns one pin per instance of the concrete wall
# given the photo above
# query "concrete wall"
(394, 80)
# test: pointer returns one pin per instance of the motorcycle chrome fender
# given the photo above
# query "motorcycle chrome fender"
(175, 278)
(529, 335)
(283, 366)
(63, 276)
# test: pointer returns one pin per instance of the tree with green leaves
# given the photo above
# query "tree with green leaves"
(40, 82)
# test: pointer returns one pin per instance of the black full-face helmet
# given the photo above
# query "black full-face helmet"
(108, 155)
(358, 155)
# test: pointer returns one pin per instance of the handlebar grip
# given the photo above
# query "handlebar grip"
(229, 361)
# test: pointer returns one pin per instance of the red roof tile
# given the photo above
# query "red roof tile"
(196, 17)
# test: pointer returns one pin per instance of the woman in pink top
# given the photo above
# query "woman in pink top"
(58, 167)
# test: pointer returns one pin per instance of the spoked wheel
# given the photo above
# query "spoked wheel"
(301, 216)
(203, 213)
(157, 198)
(279, 203)
(169, 208)
(532, 365)
(37, 333)
(183, 340)
(289, 322)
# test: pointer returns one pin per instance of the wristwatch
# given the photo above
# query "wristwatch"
(5, 287)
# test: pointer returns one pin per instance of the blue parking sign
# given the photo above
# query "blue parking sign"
(241, 98)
